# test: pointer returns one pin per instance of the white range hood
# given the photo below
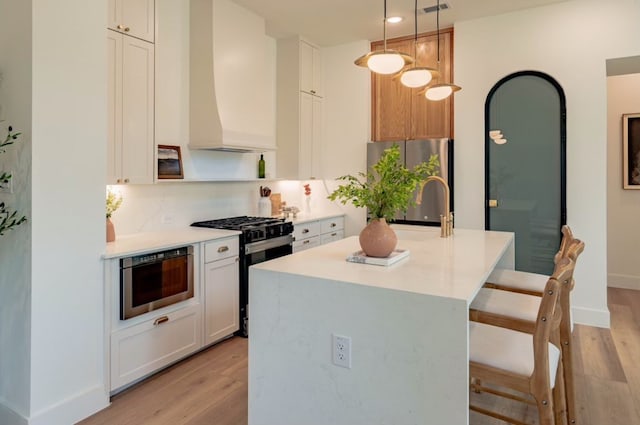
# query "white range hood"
(232, 79)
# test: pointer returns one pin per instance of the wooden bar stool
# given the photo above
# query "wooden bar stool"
(518, 311)
(525, 282)
(527, 363)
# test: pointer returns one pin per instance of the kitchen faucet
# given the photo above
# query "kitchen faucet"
(446, 219)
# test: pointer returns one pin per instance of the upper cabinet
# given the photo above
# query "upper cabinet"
(132, 17)
(299, 110)
(401, 113)
(310, 69)
(130, 135)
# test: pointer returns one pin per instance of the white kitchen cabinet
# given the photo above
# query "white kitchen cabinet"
(221, 289)
(132, 17)
(306, 235)
(299, 110)
(130, 147)
(314, 233)
(160, 340)
(331, 229)
(310, 69)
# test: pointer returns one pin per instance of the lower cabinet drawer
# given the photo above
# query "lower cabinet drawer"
(306, 244)
(332, 236)
(144, 348)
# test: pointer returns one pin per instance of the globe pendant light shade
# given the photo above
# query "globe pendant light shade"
(384, 61)
(416, 77)
(440, 91)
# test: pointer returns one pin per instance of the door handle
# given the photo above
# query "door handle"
(493, 203)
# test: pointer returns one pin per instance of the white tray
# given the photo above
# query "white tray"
(394, 257)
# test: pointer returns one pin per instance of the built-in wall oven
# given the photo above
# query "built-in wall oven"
(261, 239)
(154, 280)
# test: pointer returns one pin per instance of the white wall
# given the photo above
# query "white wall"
(68, 172)
(347, 121)
(623, 209)
(562, 41)
(52, 359)
(15, 255)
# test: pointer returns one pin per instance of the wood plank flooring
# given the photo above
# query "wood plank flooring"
(210, 388)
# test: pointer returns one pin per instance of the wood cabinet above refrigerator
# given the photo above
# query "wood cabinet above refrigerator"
(399, 112)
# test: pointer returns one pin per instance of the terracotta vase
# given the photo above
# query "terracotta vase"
(111, 231)
(377, 239)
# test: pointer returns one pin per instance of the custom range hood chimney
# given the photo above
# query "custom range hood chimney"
(232, 79)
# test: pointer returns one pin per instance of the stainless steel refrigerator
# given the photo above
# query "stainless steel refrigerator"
(412, 153)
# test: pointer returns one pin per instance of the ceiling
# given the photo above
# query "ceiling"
(331, 22)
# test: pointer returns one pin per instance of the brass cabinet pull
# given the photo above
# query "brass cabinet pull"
(305, 231)
(333, 224)
(160, 320)
(123, 28)
(334, 234)
(126, 180)
(223, 249)
(313, 92)
(493, 203)
(118, 181)
(306, 242)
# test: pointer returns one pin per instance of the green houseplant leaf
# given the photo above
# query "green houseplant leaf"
(388, 187)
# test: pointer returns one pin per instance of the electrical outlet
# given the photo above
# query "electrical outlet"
(6, 184)
(341, 348)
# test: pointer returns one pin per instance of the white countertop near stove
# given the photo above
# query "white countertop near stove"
(139, 243)
(306, 218)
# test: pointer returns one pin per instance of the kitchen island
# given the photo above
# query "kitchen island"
(407, 325)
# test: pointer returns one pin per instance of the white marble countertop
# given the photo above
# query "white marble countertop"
(139, 243)
(453, 267)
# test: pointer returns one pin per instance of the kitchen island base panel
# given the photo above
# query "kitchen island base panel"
(403, 361)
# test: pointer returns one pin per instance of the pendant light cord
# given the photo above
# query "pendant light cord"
(438, 30)
(415, 32)
(384, 26)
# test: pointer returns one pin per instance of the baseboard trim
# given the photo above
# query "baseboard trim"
(623, 281)
(72, 409)
(8, 416)
(591, 317)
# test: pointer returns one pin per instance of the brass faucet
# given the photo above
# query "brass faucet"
(446, 219)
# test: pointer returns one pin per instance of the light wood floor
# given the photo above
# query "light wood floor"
(211, 387)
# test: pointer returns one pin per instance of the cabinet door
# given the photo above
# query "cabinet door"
(137, 111)
(310, 69)
(142, 349)
(310, 157)
(316, 136)
(221, 286)
(305, 146)
(433, 119)
(391, 101)
(306, 244)
(400, 113)
(132, 17)
(114, 110)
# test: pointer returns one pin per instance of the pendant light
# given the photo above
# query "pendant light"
(384, 61)
(442, 90)
(417, 76)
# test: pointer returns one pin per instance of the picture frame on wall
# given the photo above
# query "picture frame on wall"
(169, 162)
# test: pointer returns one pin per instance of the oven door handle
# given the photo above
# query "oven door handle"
(259, 246)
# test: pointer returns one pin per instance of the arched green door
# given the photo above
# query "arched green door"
(525, 181)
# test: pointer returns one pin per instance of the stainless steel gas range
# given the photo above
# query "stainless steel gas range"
(262, 239)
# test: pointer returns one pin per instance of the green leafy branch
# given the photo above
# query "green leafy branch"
(387, 189)
(8, 218)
